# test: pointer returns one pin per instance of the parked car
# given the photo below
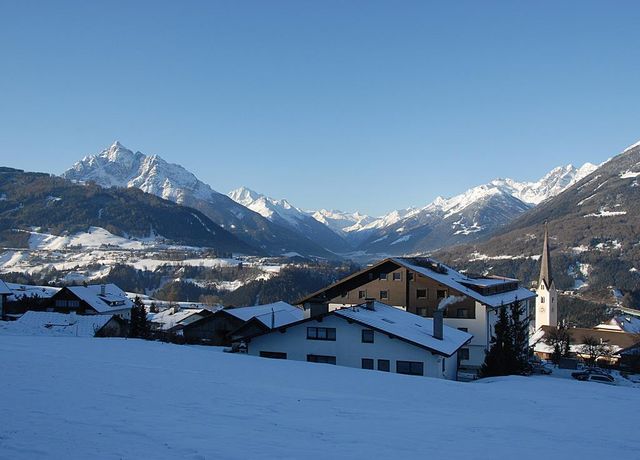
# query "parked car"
(587, 376)
(540, 368)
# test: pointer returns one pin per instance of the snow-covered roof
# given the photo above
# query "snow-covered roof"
(170, 318)
(407, 326)
(18, 290)
(113, 299)
(56, 324)
(282, 313)
(4, 289)
(624, 323)
(460, 282)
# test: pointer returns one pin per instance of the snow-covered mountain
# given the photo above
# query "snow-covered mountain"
(468, 216)
(121, 167)
(285, 214)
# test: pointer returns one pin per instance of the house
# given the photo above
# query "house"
(175, 318)
(42, 323)
(622, 323)
(92, 299)
(370, 335)
(616, 342)
(5, 292)
(419, 285)
(231, 324)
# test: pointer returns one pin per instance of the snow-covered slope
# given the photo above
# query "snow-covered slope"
(472, 214)
(121, 167)
(284, 213)
(82, 398)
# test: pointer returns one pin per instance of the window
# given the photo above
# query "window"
(75, 303)
(321, 359)
(441, 293)
(421, 293)
(410, 367)
(463, 329)
(367, 336)
(422, 311)
(541, 299)
(383, 276)
(384, 294)
(462, 313)
(362, 294)
(397, 276)
(61, 303)
(383, 365)
(367, 363)
(410, 276)
(321, 333)
(273, 355)
(463, 354)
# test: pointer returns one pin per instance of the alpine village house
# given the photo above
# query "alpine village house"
(422, 286)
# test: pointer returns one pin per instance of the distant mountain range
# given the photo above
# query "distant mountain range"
(118, 166)
(466, 217)
(277, 227)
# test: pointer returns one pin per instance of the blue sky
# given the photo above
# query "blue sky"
(354, 105)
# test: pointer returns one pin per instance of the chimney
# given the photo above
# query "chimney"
(437, 324)
(438, 315)
(315, 307)
(369, 304)
(103, 290)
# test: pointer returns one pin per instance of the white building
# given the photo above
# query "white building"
(547, 300)
(5, 292)
(418, 285)
(371, 335)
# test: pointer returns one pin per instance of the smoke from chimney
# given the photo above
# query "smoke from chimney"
(439, 313)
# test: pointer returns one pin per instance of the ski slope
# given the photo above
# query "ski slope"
(78, 398)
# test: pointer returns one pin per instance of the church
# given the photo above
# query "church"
(547, 296)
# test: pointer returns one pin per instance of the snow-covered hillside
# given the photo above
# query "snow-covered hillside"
(113, 398)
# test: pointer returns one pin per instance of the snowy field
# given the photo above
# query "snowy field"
(79, 398)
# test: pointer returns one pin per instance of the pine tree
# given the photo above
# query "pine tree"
(509, 350)
(496, 360)
(138, 325)
(520, 334)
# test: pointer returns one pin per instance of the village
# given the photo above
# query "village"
(404, 315)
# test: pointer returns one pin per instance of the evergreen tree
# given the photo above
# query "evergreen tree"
(497, 358)
(139, 325)
(509, 350)
(520, 334)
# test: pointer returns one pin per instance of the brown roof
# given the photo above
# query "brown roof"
(616, 338)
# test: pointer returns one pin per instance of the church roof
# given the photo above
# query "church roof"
(546, 277)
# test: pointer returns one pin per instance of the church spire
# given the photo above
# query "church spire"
(545, 266)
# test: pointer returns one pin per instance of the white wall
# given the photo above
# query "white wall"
(348, 347)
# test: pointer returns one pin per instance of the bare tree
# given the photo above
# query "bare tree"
(595, 349)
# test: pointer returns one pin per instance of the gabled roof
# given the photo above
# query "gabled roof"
(451, 278)
(4, 289)
(169, 318)
(114, 298)
(280, 313)
(411, 328)
(57, 324)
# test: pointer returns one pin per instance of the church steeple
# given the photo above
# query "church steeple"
(545, 267)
